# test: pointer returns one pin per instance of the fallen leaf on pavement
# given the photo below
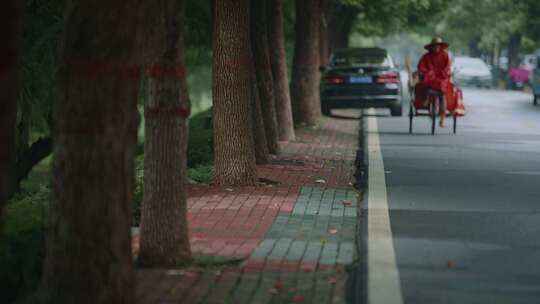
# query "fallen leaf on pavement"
(278, 285)
(298, 299)
(332, 231)
(346, 203)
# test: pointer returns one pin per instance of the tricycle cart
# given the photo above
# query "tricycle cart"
(430, 108)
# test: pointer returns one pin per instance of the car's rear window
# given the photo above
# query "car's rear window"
(361, 59)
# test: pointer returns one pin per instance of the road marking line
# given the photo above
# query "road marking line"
(384, 286)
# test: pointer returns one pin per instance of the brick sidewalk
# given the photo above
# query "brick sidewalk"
(293, 234)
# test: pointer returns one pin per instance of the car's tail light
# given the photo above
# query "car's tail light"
(388, 77)
(334, 78)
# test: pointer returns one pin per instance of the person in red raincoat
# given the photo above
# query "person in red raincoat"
(434, 69)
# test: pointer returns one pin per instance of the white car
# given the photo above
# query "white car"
(469, 71)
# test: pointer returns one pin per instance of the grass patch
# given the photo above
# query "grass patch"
(201, 174)
(201, 140)
(39, 177)
(22, 244)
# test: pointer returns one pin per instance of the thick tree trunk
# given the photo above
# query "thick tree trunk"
(164, 231)
(341, 19)
(88, 257)
(234, 152)
(23, 127)
(324, 50)
(278, 63)
(514, 46)
(263, 71)
(10, 28)
(259, 133)
(305, 75)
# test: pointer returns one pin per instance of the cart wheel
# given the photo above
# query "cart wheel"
(410, 119)
(455, 123)
(433, 109)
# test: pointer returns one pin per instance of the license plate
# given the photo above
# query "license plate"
(360, 79)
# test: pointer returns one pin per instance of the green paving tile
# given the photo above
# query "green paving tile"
(296, 251)
(305, 234)
(329, 253)
(264, 248)
(346, 253)
(350, 212)
(280, 249)
(313, 251)
(337, 212)
(299, 209)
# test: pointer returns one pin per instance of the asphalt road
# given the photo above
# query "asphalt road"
(464, 209)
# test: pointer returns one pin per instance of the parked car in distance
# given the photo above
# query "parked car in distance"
(470, 71)
(361, 78)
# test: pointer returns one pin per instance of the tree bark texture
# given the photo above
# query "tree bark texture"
(324, 51)
(259, 133)
(341, 19)
(10, 29)
(23, 127)
(263, 71)
(164, 230)
(234, 152)
(278, 63)
(305, 74)
(88, 256)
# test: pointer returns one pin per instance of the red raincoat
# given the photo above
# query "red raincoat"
(435, 71)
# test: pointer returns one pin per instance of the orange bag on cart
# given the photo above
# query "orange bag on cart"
(454, 99)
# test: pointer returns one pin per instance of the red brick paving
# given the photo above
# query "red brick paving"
(232, 222)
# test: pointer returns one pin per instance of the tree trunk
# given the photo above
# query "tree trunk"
(305, 76)
(164, 231)
(263, 71)
(10, 29)
(474, 46)
(259, 133)
(514, 46)
(496, 55)
(88, 257)
(23, 127)
(234, 157)
(341, 19)
(324, 51)
(278, 63)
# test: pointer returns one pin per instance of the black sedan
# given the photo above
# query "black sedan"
(361, 78)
